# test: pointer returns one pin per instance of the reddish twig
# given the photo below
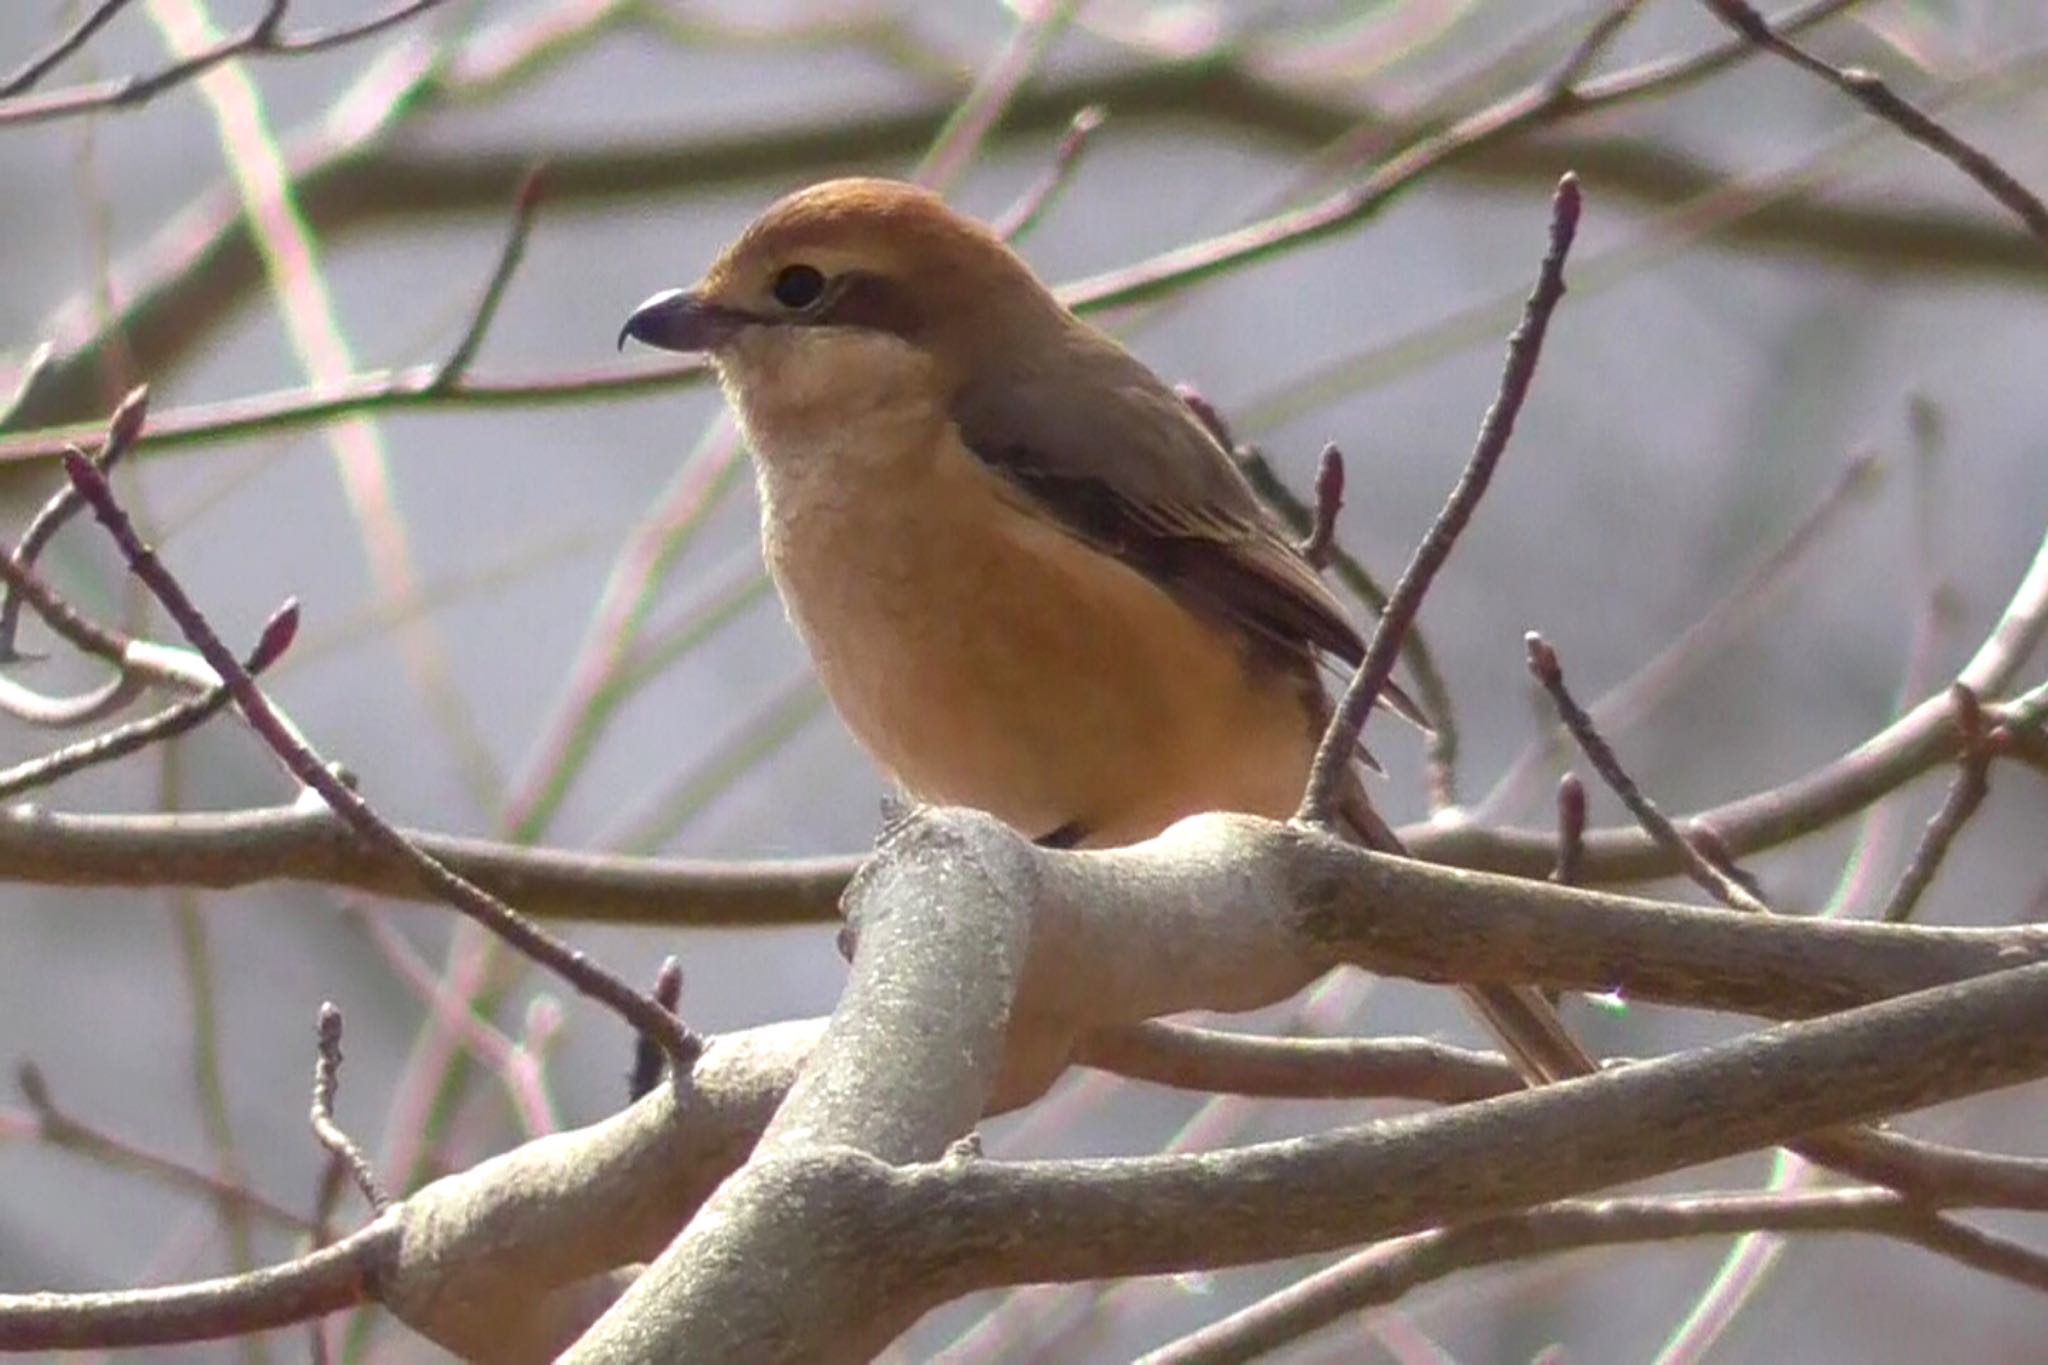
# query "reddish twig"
(1433, 711)
(1543, 663)
(1030, 206)
(299, 759)
(83, 634)
(1521, 1018)
(1326, 776)
(1322, 534)
(174, 720)
(1702, 835)
(326, 1081)
(412, 386)
(122, 428)
(516, 1067)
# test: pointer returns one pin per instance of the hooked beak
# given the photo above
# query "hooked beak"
(677, 320)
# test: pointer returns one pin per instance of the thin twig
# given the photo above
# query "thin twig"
(62, 505)
(1868, 89)
(1632, 700)
(1322, 535)
(326, 1081)
(1522, 1019)
(176, 719)
(63, 1130)
(45, 712)
(570, 964)
(332, 170)
(43, 63)
(1326, 775)
(1543, 663)
(25, 382)
(1571, 829)
(995, 87)
(647, 1059)
(525, 202)
(1972, 783)
(81, 632)
(1562, 82)
(260, 39)
(504, 1057)
(1535, 107)
(1031, 206)
(1433, 693)
(411, 386)
(1702, 835)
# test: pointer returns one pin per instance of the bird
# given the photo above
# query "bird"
(1031, 578)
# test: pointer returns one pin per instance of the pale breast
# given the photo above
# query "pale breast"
(987, 658)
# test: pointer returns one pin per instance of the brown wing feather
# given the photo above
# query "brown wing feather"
(1120, 461)
(1239, 574)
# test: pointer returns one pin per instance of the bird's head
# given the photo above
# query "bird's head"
(845, 294)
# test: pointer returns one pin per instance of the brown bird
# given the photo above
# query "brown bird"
(1032, 581)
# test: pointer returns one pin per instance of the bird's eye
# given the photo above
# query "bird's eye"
(798, 286)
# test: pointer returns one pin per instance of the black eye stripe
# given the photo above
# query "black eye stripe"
(798, 286)
(860, 298)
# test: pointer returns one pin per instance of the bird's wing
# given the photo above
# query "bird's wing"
(1121, 462)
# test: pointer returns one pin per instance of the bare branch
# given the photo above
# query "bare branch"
(956, 903)
(61, 1129)
(1298, 1068)
(1972, 784)
(35, 68)
(647, 1058)
(260, 39)
(320, 1282)
(326, 1080)
(343, 181)
(1434, 710)
(572, 966)
(1630, 701)
(525, 203)
(1571, 830)
(1543, 663)
(1592, 45)
(122, 430)
(1333, 757)
(1038, 197)
(1384, 1273)
(176, 719)
(1322, 534)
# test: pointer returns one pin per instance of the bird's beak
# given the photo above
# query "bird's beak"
(677, 320)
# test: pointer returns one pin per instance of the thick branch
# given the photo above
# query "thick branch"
(951, 1012)
(782, 1263)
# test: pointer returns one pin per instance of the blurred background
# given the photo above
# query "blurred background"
(1767, 288)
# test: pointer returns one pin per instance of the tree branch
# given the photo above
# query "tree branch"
(959, 917)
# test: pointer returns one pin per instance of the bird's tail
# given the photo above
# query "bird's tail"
(1524, 1022)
